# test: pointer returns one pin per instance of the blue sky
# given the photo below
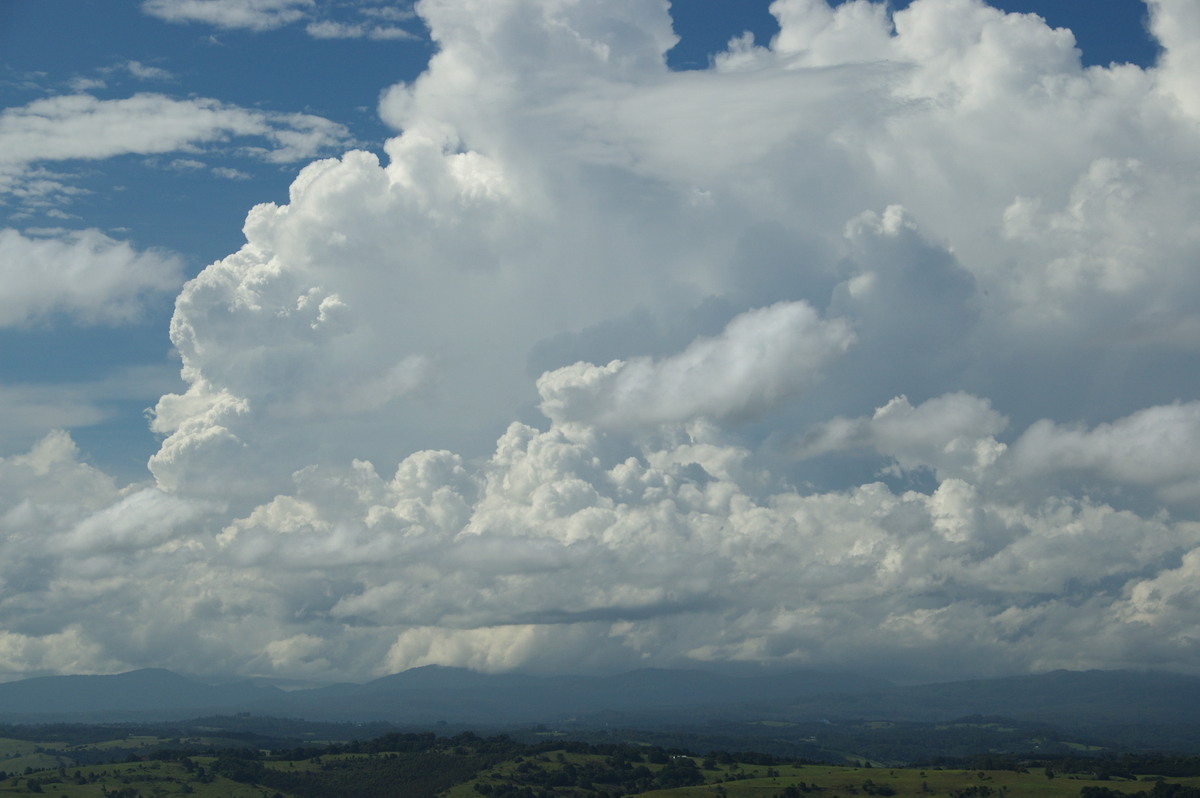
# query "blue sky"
(49, 48)
(517, 335)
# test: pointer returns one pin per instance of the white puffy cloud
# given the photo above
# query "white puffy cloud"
(563, 551)
(85, 275)
(1154, 447)
(50, 473)
(953, 434)
(1166, 604)
(829, 239)
(556, 553)
(1176, 25)
(582, 302)
(763, 357)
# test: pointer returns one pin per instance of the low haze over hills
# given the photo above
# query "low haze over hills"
(644, 698)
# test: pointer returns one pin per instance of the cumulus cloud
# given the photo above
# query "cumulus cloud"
(953, 434)
(859, 271)
(1154, 447)
(763, 357)
(925, 253)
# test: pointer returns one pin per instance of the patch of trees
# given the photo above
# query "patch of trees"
(1161, 789)
(409, 764)
(626, 772)
(424, 765)
(1122, 766)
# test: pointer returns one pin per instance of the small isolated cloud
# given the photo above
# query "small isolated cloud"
(255, 15)
(83, 84)
(85, 275)
(328, 29)
(145, 72)
(228, 173)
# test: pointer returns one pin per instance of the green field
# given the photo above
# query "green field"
(469, 766)
(826, 782)
(126, 781)
(741, 780)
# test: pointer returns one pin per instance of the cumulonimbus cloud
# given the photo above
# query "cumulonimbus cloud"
(844, 240)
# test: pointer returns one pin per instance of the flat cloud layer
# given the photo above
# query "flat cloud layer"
(871, 347)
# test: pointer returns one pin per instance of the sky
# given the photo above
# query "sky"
(340, 337)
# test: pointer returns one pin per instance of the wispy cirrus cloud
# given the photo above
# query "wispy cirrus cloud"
(83, 127)
(146, 71)
(355, 21)
(255, 15)
(31, 408)
(329, 29)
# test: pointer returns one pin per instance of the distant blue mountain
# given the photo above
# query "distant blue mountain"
(136, 694)
(435, 693)
(424, 696)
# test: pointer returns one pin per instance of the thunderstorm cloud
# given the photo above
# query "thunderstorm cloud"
(873, 346)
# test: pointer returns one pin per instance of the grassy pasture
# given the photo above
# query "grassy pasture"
(902, 783)
(583, 772)
(157, 779)
(10, 748)
(17, 755)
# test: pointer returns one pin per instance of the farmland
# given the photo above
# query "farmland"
(466, 765)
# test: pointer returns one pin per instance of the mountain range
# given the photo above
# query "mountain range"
(434, 694)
